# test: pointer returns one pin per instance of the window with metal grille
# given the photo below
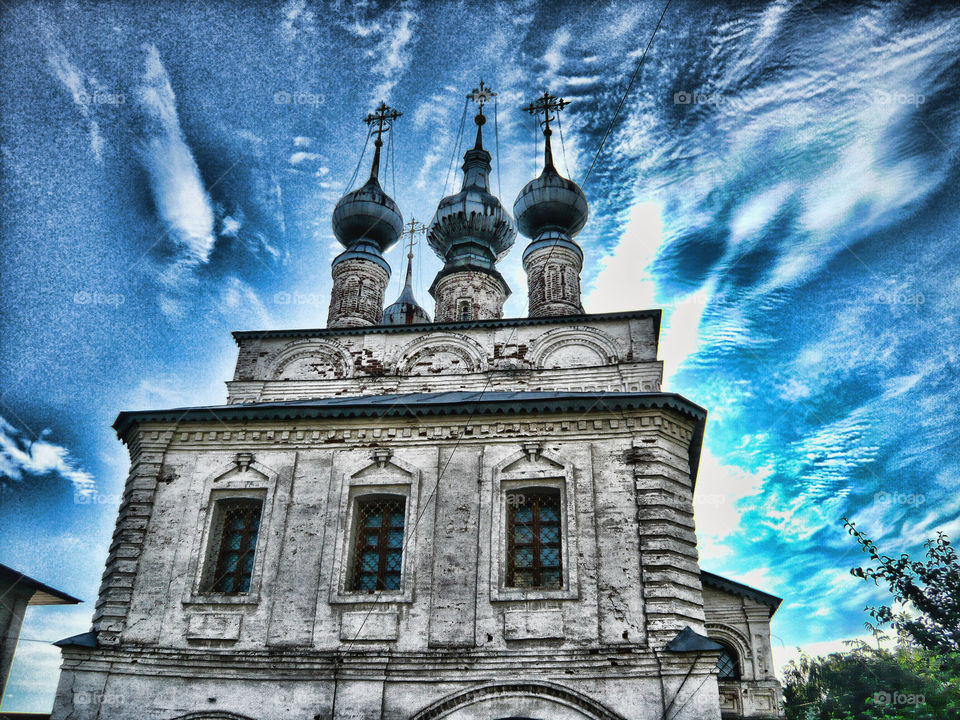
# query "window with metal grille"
(378, 547)
(236, 525)
(727, 666)
(463, 310)
(533, 539)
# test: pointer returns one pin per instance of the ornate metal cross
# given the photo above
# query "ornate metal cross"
(481, 95)
(546, 104)
(414, 228)
(383, 116)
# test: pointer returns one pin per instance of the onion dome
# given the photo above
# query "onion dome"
(551, 207)
(471, 229)
(406, 310)
(367, 220)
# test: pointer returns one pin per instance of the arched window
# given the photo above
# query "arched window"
(728, 665)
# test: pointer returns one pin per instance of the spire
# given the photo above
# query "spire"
(406, 310)
(547, 104)
(383, 116)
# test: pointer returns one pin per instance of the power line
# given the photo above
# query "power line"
(625, 93)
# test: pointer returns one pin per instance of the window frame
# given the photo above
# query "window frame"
(558, 477)
(357, 547)
(215, 545)
(396, 478)
(536, 545)
(734, 655)
(197, 592)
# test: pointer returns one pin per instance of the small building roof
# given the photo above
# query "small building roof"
(42, 594)
(732, 586)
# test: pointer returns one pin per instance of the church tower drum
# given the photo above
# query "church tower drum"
(551, 210)
(471, 231)
(367, 222)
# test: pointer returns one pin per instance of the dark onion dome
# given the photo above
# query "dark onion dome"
(472, 228)
(551, 205)
(367, 213)
(368, 216)
(406, 310)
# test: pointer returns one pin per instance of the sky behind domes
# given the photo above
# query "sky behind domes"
(783, 181)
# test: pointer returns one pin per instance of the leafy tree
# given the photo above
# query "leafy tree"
(867, 683)
(931, 587)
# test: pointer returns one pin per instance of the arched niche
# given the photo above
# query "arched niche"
(574, 347)
(312, 359)
(448, 354)
(534, 700)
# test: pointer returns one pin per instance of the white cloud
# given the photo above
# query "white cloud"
(392, 55)
(83, 95)
(181, 199)
(20, 456)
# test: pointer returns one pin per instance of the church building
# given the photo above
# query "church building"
(394, 517)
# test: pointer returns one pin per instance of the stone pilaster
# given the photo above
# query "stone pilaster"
(668, 542)
(136, 507)
(469, 295)
(553, 278)
(358, 289)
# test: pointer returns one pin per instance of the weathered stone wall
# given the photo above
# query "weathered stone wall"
(743, 624)
(298, 639)
(356, 299)
(468, 295)
(598, 353)
(553, 281)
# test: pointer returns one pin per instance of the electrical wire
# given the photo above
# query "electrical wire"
(456, 147)
(625, 93)
(496, 133)
(356, 170)
(563, 149)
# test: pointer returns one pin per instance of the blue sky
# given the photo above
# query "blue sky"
(782, 181)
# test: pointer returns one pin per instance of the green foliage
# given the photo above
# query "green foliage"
(867, 683)
(929, 587)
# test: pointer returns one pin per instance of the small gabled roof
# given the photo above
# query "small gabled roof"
(42, 594)
(732, 586)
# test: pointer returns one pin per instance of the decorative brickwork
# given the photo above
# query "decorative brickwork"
(357, 296)
(553, 281)
(469, 295)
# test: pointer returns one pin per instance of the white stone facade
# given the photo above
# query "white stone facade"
(453, 639)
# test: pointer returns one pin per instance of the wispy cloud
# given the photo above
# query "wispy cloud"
(82, 92)
(181, 200)
(22, 458)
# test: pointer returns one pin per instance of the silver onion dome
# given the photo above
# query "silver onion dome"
(551, 203)
(472, 227)
(367, 214)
